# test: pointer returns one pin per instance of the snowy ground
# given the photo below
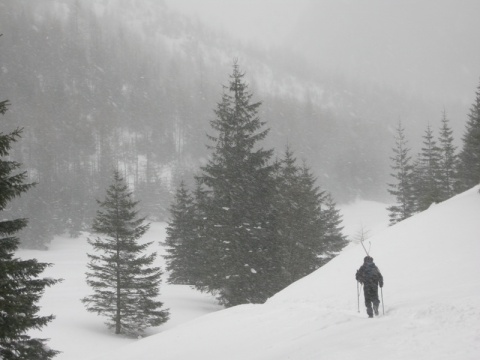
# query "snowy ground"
(432, 300)
(81, 335)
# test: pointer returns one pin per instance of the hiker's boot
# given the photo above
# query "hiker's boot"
(370, 312)
(375, 308)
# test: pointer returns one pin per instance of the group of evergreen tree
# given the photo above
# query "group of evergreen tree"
(240, 239)
(438, 172)
(252, 225)
(125, 284)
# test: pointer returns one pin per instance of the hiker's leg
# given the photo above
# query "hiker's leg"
(368, 301)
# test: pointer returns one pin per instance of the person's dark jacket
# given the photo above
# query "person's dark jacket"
(369, 274)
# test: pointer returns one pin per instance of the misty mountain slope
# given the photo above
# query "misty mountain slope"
(432, 303)
(132, 84)
(103, 72)
(105, 84)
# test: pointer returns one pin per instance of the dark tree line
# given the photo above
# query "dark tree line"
(252, 225)
(438, 172)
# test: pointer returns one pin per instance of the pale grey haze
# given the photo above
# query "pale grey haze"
(268, 22)
(100, 83)
(429, 48)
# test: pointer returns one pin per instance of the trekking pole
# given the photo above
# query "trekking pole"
(358, 298)
(383, 305)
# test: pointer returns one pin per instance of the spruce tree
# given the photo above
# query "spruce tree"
(181, 239)
(307, 223)
(448, 160)
(333, 239)
(469, 156)
(20, 285)
(189, 257)
(125, 283)
(205, 251)
(427, 173)
(402, 189)
(239, 184)
(297, 222)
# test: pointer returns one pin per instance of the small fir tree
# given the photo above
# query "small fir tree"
(469, 156)
(125, 283)
(20, 285)
(402, 189)
(333, 239)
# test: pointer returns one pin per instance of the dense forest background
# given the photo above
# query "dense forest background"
(101, 85)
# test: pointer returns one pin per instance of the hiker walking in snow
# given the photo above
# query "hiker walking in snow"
(369, 275)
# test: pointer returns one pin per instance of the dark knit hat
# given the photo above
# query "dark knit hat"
(368, 259)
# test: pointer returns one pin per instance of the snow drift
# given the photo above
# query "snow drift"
(431, 268)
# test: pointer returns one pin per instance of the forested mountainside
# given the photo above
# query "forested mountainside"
(102, 84)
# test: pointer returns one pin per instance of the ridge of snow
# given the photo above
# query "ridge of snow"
(432, 302)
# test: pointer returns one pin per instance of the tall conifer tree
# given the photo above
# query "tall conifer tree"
(448, 160)
(20, 285)
(307, 224)
(253, 227)
(469, 156)
(125, 283)
(402, 188)
(427, 173)
(238, 178)
(297, 222)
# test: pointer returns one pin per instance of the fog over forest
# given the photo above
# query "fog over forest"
(424, 47)
(103, 84)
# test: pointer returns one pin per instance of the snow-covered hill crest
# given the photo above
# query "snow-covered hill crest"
(432, 303)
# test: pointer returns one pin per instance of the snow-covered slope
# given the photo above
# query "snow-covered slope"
(431, 267)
